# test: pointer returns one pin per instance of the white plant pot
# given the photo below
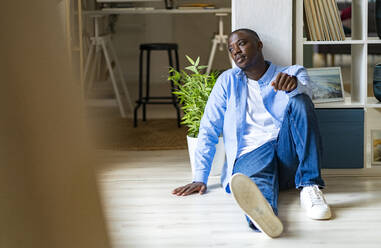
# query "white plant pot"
(218, 160)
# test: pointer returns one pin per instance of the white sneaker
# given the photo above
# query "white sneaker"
(314, 203)
(255, 206)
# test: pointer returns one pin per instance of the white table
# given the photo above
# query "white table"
(122, 11)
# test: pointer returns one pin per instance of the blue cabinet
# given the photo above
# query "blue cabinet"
(342, 132)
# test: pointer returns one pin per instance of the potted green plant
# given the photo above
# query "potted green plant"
(193, 90)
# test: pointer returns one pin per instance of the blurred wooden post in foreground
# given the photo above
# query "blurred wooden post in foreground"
(48, 191)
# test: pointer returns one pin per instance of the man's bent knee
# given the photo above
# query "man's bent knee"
(301, 102)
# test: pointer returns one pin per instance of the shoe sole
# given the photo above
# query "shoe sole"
(253, 203)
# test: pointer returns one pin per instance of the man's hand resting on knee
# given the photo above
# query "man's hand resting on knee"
(190, 189)
(284, 82)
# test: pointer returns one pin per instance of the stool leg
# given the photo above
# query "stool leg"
(177, 60)
(147, 84)
(139, 101)
(170, 57)
(177, 105)
(174, 98)
(136, 115)
(144, 112)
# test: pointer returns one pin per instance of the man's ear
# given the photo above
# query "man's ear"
(260, 45)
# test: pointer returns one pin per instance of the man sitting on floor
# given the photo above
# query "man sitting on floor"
(270, 132)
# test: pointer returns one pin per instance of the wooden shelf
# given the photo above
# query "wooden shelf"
(373, 40)
(347, 103)
(372, 102)
(334, 42)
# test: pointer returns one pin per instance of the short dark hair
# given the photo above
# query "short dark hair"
(247, 31)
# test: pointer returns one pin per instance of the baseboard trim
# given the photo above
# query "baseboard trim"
(364, 172)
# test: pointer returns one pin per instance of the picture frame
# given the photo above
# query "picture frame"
(326, 84)
(376, 146)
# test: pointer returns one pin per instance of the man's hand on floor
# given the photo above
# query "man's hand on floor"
(190, 189)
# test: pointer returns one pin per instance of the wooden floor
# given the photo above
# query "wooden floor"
(141, 212)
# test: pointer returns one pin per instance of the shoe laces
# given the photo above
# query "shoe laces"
(315, 195)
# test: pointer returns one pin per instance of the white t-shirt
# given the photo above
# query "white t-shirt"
(260, 127)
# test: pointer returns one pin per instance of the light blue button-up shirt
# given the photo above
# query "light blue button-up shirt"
(225, 113)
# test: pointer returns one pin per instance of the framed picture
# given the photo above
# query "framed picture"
(376, 146)
(327, 84)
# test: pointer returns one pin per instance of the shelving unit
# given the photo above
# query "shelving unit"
(358, 98)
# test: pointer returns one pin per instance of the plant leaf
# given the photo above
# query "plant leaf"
(197, 62)
(192, 92)
(189, 59)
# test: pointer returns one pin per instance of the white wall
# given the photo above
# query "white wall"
(193, 33)
(272, 20)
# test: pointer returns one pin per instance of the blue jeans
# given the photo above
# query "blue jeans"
(293, 160)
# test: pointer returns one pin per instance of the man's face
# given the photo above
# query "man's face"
(244, 49)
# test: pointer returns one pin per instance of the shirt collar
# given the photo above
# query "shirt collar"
(266, 77)
(269, 74)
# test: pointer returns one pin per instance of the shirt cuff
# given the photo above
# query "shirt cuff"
(300, 88)
(201, 176)
(294, 92)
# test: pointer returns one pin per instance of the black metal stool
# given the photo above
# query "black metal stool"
(147, 99)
